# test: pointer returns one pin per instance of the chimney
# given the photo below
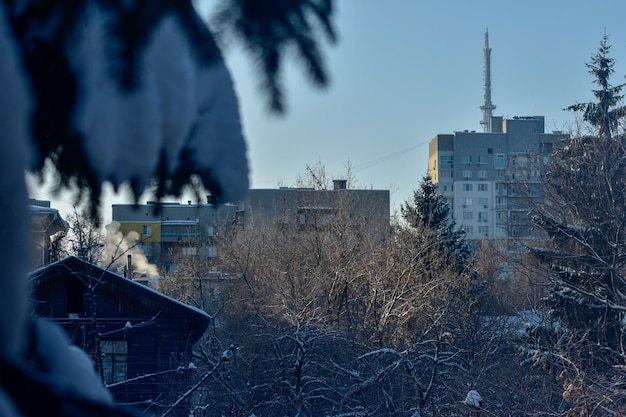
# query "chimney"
(129, 269)
(340, 184)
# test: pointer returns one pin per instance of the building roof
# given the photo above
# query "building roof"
(142, 295)
(47, 220)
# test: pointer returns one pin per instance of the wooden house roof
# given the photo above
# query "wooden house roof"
(129, 297)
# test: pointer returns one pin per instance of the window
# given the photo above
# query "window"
(445, 174)
(468, 215)
(180, 230)
(146, 248)
(499, 160)
(467, 173)
(210, 231)
(483, 229)
(467, 201)
(469, 229)
(467, 160)
(114, 360)
(239, 217)
(483, 201)
(189, 251)
(482, 160)
(146, 230)
(483, 187)
(482, 216)
(482, 174)
(468, 187)
(212, 251)
(445, 162)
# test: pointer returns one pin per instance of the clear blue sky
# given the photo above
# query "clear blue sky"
(406, 70)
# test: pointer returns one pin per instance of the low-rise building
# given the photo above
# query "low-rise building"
(140, 341)
(168, 231)
(47, 224)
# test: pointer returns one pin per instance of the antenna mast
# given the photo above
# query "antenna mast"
(488, 107)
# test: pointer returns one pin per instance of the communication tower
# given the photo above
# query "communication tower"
(488, 107)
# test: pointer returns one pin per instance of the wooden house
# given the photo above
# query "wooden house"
(139, 339)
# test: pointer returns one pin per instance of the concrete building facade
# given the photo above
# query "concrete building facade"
(490, 179)
(173, 230)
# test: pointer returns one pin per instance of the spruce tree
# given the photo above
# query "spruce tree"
(429, 214)
(605, 113)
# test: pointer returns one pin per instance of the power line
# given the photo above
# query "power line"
(387, 157)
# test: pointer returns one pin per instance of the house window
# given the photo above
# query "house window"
(482, 187)
(467, 160)
(482, 216)
(467, 201)
(468, 215)
(146, 230)
(483, 229)
(467, 173)
(467, 187)
(483, 201)
(482, 160)
(212, 251)
(210, 231)
(114, 360)
(482, 174)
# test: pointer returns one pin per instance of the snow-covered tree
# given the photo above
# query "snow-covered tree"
(125, 92)
(584, 218)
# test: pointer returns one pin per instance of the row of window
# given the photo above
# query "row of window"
(481, 160)
(480, 187)
(469, 215)
(499, 161)
(482, 201)
(481, 229)
(177, 230)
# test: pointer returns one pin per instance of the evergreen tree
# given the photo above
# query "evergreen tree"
(584, 217)
(584, 214)
(429, 214)
(605, 113)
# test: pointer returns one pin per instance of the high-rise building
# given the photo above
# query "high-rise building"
(490, 179)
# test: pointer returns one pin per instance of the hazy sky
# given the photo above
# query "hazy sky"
(406, 70)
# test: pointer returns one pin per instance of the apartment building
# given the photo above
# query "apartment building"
(172, 230)
(490, 179)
